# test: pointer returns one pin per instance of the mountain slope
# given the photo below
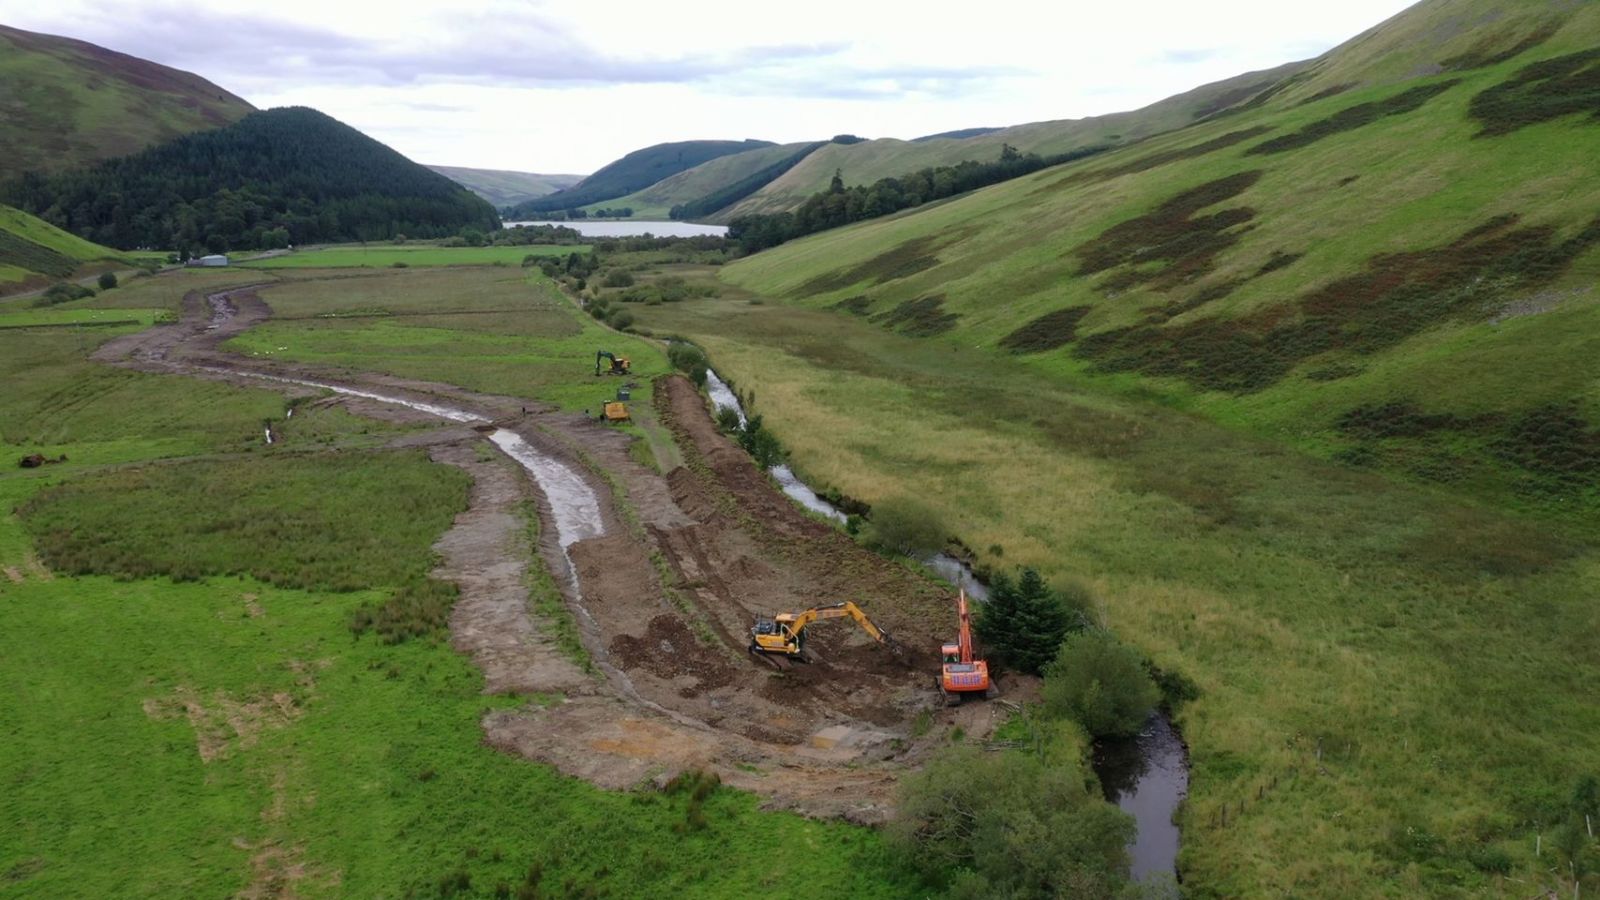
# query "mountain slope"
(1372, 536)
(65, 103)
(282, 176)
(503, 188)
(704, 180)
(868, 161)
(34, 252)
(1293, 265)
(637, 170)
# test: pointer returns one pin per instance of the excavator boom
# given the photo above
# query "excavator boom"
(962, 673)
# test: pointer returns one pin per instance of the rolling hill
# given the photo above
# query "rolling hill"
(705, 180)
(282, 176)
(868, 161)
(66, 103)
(503, 188)
(637, 170)
(1399, 272)
(1308, 391)
(34, 253)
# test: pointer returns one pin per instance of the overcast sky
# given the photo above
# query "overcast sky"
(565, 86)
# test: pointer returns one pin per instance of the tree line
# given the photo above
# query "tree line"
(840, 205)
(275, 178)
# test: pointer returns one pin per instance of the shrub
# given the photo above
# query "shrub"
(907, 526)
(63, 292)
(728, 419)
(399, 264)
(1025, 620)
(618, 278)
(1101, 684)
(1011, 825)
(622, 320)
(761, 444)
(107, 280)
(689, 358)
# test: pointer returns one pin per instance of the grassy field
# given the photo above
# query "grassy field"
(501, 331)
(276, 752)
(34, 252)
(392, 255)
(1438, 652)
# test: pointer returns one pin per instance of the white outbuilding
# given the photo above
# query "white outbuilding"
(215, 259)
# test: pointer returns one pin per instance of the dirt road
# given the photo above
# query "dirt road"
(664, 594)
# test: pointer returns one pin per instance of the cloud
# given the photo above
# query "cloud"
(1184, 57)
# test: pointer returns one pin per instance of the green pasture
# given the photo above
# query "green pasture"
(404, 255)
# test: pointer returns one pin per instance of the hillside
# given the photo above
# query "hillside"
(282, 176)
(1265, 266)
(702, 181)
(65, 103)
(868, 161)
(637, 170)
(34, 253)
(502, 188)
(1307, 394)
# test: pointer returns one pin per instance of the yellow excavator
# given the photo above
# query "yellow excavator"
(784, 635)
(620, 365)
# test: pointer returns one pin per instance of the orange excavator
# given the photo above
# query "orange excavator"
(961, 673)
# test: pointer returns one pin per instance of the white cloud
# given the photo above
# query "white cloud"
(564, 85)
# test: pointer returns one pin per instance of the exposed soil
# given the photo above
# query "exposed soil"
(664, 598)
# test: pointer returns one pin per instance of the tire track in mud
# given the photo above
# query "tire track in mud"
(728, 542)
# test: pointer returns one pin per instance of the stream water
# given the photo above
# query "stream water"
(1147, 776)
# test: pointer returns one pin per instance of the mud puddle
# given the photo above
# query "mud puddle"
(944, 565)
(1147, 776)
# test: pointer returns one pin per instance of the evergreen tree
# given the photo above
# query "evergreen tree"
(1025, 620)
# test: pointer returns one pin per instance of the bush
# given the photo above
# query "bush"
(618, 278)
(63, 292)
(1101, 684)
(399, 264)
(622, 320)
(761, 444)
(107, 281)
(689, 358)
(728, 419)
(1009, 825)
(1025, 620)
(907, 526)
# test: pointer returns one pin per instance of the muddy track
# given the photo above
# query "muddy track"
(664, 586)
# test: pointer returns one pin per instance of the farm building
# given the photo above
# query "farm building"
(215, 259)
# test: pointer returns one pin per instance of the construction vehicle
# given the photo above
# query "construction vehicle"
(614, 411)
(784, 635)
(620, 365)
(961, 673)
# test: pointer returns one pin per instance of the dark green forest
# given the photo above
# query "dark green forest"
(275, 178)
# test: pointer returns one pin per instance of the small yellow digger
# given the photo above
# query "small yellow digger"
(784, 635)
(620, 365)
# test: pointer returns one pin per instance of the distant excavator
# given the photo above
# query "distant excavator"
(784, 635)
(961, 673)
(620, 365)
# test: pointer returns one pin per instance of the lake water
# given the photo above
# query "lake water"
(634, 228)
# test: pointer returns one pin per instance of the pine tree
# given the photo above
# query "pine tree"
(1024, 621)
